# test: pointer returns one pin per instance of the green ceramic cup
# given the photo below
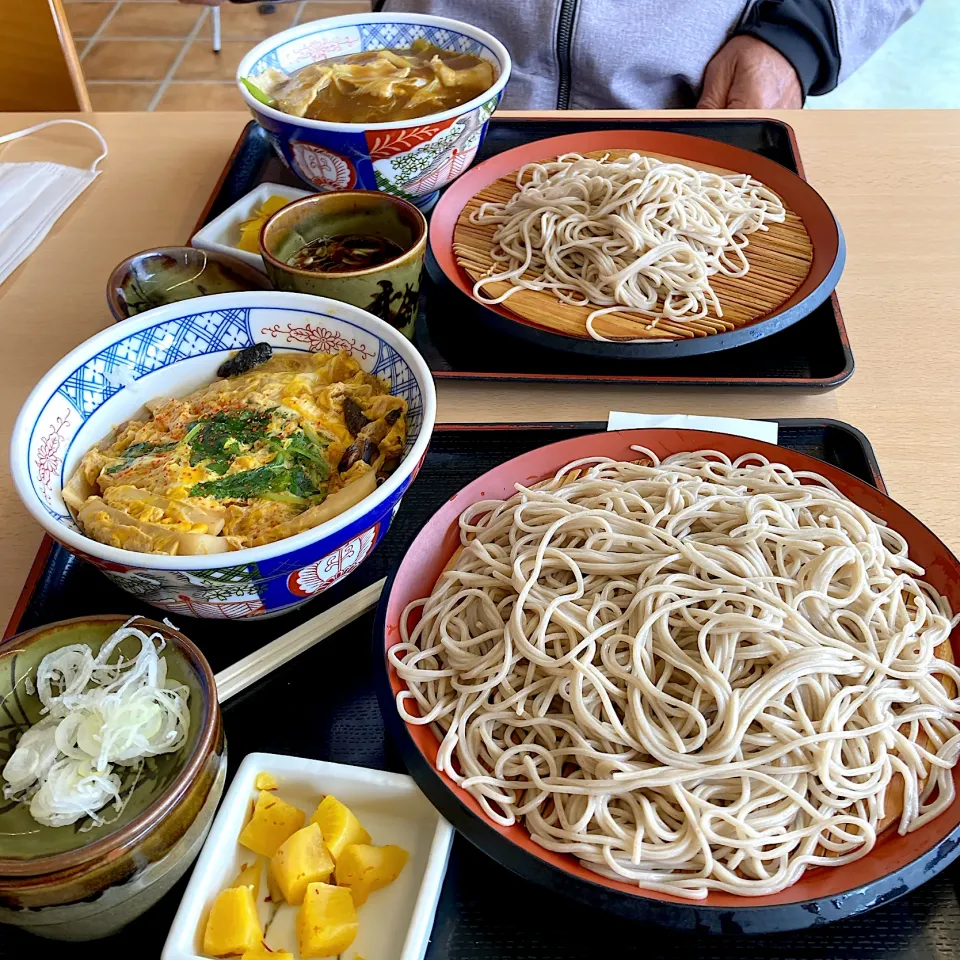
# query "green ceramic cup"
(391, 290)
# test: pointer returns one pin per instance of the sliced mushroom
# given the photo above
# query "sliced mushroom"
(361, 449)
(245, 360)
(353, 416)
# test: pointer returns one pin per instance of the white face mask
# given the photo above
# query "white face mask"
(34, 195)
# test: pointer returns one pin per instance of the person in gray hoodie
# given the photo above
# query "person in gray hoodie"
(595, 54)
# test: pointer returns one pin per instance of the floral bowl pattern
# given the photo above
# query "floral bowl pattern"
(411, 159)
(172, 350)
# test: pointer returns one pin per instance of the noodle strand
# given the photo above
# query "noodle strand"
(696, 674)
(636, 235)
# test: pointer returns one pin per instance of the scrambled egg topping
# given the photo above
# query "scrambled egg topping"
(242, 461)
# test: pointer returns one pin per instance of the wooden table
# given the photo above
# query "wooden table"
(892, 178)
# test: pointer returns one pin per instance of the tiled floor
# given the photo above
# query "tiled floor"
(158, 54)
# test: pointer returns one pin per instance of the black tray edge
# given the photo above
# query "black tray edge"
(822, 383)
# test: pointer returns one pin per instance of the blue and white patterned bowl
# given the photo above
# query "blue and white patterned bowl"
(170, 351)
(412, 159)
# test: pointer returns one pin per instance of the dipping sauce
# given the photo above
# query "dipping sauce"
(346, 253)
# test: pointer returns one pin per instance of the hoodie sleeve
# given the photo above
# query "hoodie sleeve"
(863, 25)
(825, 40)
(805, 32)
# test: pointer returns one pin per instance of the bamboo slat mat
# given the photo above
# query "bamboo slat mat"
(779, 259)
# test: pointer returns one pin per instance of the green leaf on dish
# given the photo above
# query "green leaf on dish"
(257, 93)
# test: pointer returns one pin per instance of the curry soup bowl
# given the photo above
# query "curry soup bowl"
(171, 351)
(81, 882)
(412, 159)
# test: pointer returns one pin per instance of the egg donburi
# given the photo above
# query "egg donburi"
(274, 447)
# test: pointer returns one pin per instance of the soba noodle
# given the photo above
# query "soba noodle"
(628, 236)
(693, 675)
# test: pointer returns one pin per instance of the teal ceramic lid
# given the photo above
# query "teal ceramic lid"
(30, 848)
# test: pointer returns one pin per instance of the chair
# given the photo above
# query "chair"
(39, 66)
(215, 19)
(215, 16)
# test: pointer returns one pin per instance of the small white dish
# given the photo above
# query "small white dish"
(223, 232)
(395, 923)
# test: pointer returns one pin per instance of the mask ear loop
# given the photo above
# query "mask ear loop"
(17, 134)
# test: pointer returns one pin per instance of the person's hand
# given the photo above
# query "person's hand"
(748, 74)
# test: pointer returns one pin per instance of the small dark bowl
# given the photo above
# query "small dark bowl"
(153, 278)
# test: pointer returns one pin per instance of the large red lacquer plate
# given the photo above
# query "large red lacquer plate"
(896, 865)
(829, 249)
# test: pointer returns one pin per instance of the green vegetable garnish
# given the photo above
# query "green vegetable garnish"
(315, 438)
(257, 93)
(137, 450)
(303, 484)
(297, 473)
(216, 440)
(299, 445)
(270, 482)
(140, 449)
(245, 485)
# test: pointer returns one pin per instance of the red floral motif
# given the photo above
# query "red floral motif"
(48, 457)
(387, 143)
(322, 167)
(416, 469)
(335, 566)
(319, 339)
(321, 48)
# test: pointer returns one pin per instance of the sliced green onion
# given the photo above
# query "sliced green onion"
(257, 93)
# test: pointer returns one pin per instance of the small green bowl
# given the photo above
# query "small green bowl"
(390, 291)
(153, 278)
(82, 882)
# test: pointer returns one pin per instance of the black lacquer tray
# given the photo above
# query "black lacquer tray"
(462, 340)
(329, 711)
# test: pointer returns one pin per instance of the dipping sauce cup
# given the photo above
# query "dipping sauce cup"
(389, 290)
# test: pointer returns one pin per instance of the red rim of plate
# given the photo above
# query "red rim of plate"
(436, 542)
(795, 191)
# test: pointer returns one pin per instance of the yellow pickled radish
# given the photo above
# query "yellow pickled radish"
(265, 781)
(327, 921)
(339, 825)
(364, 868)
(272, 822)
(233, 925)
(249, 876)
(250, 228)
(302, 859)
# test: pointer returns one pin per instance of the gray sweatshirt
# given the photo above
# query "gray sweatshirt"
(643, 53)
